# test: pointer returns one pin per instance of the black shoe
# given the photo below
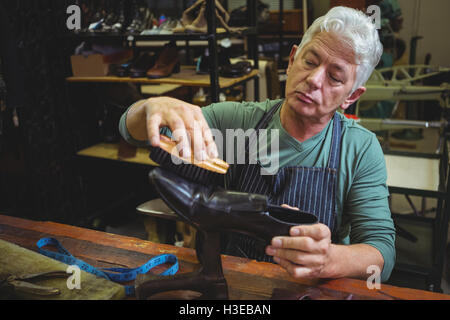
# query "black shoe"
(119, 24)
(142, 64)
(141, 21)
(215, 209)
(120, 70)
(204, 63)
(235, 70)
(110, 20)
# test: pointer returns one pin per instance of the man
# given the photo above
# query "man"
(329, 165)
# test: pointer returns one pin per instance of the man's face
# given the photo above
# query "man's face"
(321, 78)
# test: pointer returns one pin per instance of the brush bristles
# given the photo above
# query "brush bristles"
(186, 170)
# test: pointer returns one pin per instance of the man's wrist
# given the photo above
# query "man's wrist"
(350, 261)
(332, 266)
(136, 121)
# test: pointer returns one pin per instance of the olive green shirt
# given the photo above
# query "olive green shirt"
(363, 214)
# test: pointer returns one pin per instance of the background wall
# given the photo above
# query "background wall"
(429, 19)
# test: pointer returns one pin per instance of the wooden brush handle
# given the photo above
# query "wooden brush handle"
(215, 165)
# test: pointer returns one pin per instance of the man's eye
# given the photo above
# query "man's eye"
(309, 63)
(335, 79)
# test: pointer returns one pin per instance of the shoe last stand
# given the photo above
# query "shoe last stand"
(212, 211)
(207, 280)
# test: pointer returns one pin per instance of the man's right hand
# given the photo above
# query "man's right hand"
(185, 120)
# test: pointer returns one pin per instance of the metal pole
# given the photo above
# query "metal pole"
(212, 45)
(305, 15)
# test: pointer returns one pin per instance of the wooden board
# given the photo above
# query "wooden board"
(158, 89)
(186, 77)
(247, 279)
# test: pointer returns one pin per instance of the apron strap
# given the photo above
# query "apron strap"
(268, 116)
(262, 124)
(335, 150)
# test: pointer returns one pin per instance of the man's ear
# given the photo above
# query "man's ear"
(291, 57)
(353, 97)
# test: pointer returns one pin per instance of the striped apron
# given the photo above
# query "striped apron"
(310, 189)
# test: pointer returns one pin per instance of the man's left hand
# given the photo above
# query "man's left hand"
(306, 253)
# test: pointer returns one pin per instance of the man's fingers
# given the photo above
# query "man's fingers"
(210, 145)
(295, 270)
(180, 135)
(187, 124)
(297, 257)
(316, 231)
(305, 244)
(197, 140)
(153, 125)
(289, 207)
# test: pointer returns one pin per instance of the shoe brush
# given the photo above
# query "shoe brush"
(210, 171)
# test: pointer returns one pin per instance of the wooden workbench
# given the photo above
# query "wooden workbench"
(247, 279)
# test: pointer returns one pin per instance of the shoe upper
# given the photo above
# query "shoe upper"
(214, 208)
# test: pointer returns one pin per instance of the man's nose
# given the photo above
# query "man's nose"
(316, 78)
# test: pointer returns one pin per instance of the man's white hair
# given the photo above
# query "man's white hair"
(358, 31)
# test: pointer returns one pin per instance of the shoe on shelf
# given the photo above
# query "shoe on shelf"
(168, 62)
(204, 62)
(214, 209)
(141, 21)
(97, 20)
(200, 24)
(107, 25)
(144, 62)
(118, 25)
(178, 27)
(168, 26)
(124, 70)
(96, 26)
(152, 31)
(235, 70)
(191, 13)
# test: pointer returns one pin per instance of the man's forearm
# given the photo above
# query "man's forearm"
(352, 261)
(136, 121)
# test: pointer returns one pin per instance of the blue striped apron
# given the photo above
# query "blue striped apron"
(310, 189)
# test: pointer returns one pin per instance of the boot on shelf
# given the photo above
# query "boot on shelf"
(223, 17)
(189, 15)
(194, 19)
(168, 62)
(200, 24)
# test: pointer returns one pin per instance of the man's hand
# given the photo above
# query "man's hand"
(306, 253)
(185, 120)
(309, 253)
